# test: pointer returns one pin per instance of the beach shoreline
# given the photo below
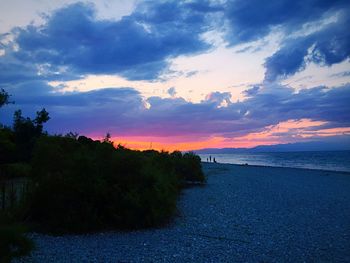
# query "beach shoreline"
(245, 213)
(279, 167)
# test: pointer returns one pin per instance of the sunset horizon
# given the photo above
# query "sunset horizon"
(206, 78)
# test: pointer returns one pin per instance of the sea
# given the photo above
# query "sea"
(322, 160)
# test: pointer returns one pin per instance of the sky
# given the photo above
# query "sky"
(180, 75)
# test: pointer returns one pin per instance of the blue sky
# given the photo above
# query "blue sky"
(181, 74)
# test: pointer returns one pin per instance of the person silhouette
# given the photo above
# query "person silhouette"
(209, 158)
(214, 160)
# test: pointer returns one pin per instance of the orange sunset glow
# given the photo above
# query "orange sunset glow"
(269, 136)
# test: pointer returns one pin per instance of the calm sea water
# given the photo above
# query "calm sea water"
(334, 161)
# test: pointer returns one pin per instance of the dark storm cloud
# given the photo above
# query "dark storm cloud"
(326, 47)
(137, 46)
(254, 19)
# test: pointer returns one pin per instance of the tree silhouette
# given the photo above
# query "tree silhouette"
(4, 98)
(107, 138)
(41, 117)
(27, 131)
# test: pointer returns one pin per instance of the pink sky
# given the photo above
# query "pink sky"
(299, 130)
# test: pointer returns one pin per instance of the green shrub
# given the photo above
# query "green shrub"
(13, 242)
(83, 185)
(188, 166)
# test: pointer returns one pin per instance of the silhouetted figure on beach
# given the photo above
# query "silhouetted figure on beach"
(214, 160)
(210, 158)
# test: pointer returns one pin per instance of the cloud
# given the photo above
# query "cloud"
(252, 91)
(14, 72)
(318, 104)
(73, 42)
(219, 98)
(85, 112)
(341, 74)
(137, 47)
(255, 19)
(326, 47)
(317, 41)
(123, 111)
(172, 92)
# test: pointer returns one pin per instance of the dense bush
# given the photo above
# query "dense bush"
(13, 242)
(83, 185)
(188, 166)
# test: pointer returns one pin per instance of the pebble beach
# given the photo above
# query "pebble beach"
(243, 214)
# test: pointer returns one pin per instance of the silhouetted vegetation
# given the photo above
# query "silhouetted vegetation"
(27, 131)
(188, 166)
(83, 185)
(72, 183)
(4, 98)
(92, 185)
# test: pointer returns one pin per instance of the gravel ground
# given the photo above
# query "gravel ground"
(243, 214)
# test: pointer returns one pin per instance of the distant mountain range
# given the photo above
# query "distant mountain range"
(340, 143)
